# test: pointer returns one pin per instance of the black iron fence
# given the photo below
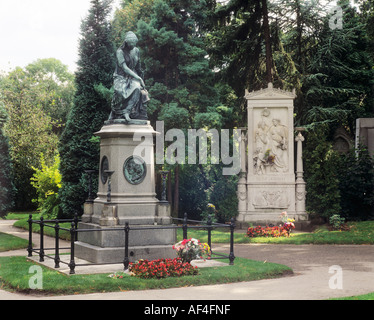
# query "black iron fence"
(185, 224)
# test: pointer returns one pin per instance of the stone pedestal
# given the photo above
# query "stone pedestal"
(267, 183)
(127, 195)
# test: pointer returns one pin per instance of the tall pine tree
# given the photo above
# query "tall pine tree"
(91, 106)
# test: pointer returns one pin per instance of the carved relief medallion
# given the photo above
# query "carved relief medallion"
(134, 170)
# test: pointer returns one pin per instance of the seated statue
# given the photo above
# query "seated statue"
(130, 97)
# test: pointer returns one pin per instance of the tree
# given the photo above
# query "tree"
(29, 130)
(6, 183)
(356, 182)
(339, 85)
(177, 72)
(57, 86)
(91, 106)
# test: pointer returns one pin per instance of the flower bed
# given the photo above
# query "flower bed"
(161, 268)
(275, 232)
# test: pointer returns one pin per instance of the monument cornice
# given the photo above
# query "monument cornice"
(270, 93)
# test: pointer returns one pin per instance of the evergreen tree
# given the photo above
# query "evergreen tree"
(6, 184)
(177, 72)
(339, 86)
(91, 106)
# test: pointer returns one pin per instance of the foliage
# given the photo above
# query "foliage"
(321, 175)
(336, 221)
(224, 197)
(190, 249)
(177, 74)
(6, 183)
(47, 182)
(29, 130)
(57, 89)
(162, 268)
(356, 182)
(91, 107)
(337, 88)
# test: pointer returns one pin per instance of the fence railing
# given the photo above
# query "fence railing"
(187, 224)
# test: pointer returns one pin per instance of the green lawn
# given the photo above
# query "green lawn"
(10, 242)
(360, 233)
(14, 275)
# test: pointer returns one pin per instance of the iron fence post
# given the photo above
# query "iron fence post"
(184, 227)
(72, 237)
(126, 260)
(57, 244)
(231, 256)
(41, 251)
(76, 226)
(209, 223)
(29, 247)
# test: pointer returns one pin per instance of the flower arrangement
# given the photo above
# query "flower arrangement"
(190, 249)
(161, 268)
(288, 224)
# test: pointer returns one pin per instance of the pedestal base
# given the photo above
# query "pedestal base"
(108, 246)
(97, 254)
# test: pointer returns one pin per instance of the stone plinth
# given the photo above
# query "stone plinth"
(125, 196)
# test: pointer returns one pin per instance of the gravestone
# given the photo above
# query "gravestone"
(267, 185)
(365, 133)
(126, 190)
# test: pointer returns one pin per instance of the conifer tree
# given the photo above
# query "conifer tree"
(91, 106)
(177, 71)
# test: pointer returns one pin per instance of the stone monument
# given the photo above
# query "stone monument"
(365, 133)
(267, 185)
(126, 191)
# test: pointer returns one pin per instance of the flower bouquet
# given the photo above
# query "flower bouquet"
(288, 224)
(190, 249)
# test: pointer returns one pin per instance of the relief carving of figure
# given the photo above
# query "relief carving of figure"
(271, 144)
(278, 134)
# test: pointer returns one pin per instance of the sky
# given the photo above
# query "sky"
(36, 29)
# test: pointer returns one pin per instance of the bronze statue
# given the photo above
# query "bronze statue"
(130, 96)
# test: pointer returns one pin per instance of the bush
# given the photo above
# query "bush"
(356, 182)
(336, 221)
(47, 182)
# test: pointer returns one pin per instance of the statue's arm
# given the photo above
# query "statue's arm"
(126, 69)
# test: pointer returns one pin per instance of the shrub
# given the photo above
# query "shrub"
(336, 221)
(161, 268)
(356, 182)
(47, 182)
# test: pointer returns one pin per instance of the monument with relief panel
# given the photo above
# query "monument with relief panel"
(267, 184)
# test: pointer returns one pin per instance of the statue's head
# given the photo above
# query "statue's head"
(130, 40)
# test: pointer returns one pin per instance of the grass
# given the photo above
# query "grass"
(9, 242)
(361, 233)
(368, 296)
(14, 275)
